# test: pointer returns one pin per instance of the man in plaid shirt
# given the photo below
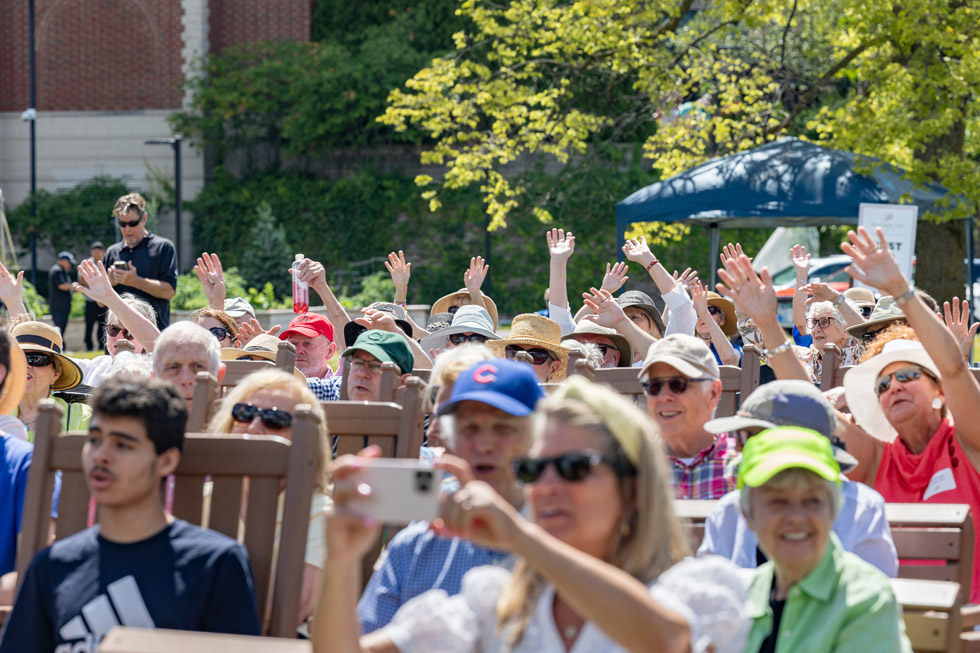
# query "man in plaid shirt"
(681, 379)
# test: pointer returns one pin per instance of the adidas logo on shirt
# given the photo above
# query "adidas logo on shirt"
(122, 605)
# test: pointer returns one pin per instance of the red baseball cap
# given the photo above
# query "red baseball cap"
(310, 325)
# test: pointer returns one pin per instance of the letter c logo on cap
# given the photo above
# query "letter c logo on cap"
(486, 373)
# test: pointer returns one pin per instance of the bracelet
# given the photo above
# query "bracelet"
(904, 298)
(787, 344)
(654, 262)
(402, 304)
(840, 300)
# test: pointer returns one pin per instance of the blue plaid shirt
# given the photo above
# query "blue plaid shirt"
(327, 389)
(416, 561)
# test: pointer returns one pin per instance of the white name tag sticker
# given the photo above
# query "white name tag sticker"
(942, 481)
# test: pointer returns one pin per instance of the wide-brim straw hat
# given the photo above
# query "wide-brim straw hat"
(860, 380)
(885, 312)
(443, 303)
(533, 330)
(44, 338)
(15, 381)
(725, 305)
(261, 346)
(468, 319)
(641, 300)
(619, 341)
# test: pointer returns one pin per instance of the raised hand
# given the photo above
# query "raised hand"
(638, 251)
(874, 263)
(96, 281)
(753, 294)
(801, 260)
(251, 328)
(313, 273)
(399, 269)
(212, 277)
(11, 287)
(475, 275)
(375, 319)
(821, 292)
(686, 278)
(607, 312)
(957, 319)
(615, 277)
(699, 296)
(732, 251)
(561, 244)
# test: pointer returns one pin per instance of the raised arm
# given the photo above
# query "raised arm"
(801, 261)
(12, 292)
(612, 281)
(313, 273)
(957, 319)
(561, 246)
(875, 265)
(473, 279)
(212, 277)
(727, 353)
(824, 293)
(606, 312)
(683, 319)
(401, 271)
(384, 321)
(98, 287)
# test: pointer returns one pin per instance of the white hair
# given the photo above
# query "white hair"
(818, 308)
(126, 362)
(588, 350)
(796, 476)
(141, 306)
(186, 332)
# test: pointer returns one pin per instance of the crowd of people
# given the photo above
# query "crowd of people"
(556, 526)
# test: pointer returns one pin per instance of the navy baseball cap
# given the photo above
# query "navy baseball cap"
(504, 384)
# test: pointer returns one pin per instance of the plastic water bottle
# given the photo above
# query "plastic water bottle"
(301, 289)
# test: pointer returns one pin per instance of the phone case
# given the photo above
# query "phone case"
(402, 491)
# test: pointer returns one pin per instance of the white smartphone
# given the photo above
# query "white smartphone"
(402, 490)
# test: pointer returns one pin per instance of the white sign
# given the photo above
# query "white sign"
(898, 222)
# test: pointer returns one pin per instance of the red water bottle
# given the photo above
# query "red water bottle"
(301, 289)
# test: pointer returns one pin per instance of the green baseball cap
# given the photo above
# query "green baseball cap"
(386, 346)
(785, 447)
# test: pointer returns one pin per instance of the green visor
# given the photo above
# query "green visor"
(776, 450)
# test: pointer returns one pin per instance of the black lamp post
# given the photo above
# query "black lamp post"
(31, 116)
(175, 144)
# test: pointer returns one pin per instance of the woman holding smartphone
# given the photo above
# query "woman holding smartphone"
(590, 564)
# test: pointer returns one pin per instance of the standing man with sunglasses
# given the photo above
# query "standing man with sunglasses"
(142, 263)
(488, 426)
(681, 380)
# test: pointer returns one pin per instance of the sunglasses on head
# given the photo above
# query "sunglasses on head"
(272, 418)
(538, 356)
(38, 360)
(123, 223)
(822, 322)
(572, 467)
(678, 385)
(903, 375)
(113, 330)
(459, 339)
(219, 332)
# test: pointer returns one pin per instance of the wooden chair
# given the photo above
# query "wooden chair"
(731, 385)
(266, 461)
(204, 402)
(582, 367)
(830, 370)
(751, 364)
(236, 370)
(625, 381)
(931, 611)
(424, 375)
(390, 373)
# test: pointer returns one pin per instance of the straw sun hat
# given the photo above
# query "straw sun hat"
(443, 304)
(46, 339)
(534, 330)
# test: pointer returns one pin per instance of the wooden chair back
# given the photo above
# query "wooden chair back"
(830, 366)
(424, 375)
(203, 404)
(390, 373)
(731, 385)
(931, 611)
(625, 381)
(235, 371)
(267, 462)
(286, 356)
(582, 367)
(751, 365)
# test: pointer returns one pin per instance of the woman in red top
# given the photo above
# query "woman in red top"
(917, 404)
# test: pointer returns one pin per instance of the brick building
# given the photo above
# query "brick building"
(108, 73)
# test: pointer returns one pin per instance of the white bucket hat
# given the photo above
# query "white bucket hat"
(468, 319)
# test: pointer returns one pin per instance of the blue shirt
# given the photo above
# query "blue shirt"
(326, 389)
(416, 561)
(800, 339)
(15, 461)
(738, 350)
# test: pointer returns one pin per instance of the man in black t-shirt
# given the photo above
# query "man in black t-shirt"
(59, 290)
(142, 263)
(138, 566)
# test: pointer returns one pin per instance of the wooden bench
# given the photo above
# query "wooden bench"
(931, 611)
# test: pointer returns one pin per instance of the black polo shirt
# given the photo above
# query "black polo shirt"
(154, 258)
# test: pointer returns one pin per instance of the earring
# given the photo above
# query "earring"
(624, 529)
(937, 403)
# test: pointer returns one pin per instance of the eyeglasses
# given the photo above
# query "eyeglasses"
(903, 375)
(678, 385)
(714, 310)
(433, 394)
(604, 348)
(573, 467)
(459, 339)
(273, 418)
(38, 360)
(219, 332)
(113, 330)
(123, 223)
(538, 356)
(358, 363)
(822, 322)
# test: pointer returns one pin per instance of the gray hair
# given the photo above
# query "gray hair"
(186, 332)
(588, 350)
(816, 308)
(133, 364)
(141, 306)
(796, 476)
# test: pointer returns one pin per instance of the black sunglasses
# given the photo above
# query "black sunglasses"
(678, 384)
(903, 375)
(219, 332)
(868, 336)
(38, 360)
(573, 467)
(604, 348)
(866, 312)
(714, 310)
(538, 356)
(123, 223)
(459, 339)
(452, 310)
(113, 330)
(271, 417)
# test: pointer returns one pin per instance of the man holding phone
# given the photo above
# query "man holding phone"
(142, 263)
(489, 424)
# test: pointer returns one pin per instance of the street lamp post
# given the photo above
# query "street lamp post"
(31, 116)
(175, 144)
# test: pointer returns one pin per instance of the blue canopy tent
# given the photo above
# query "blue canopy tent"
(785, 183)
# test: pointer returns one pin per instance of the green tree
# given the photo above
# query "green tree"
(554, 78)
(269, 256)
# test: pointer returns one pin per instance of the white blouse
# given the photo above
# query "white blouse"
(708, 592)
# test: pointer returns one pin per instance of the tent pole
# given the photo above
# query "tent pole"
(714, 245)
